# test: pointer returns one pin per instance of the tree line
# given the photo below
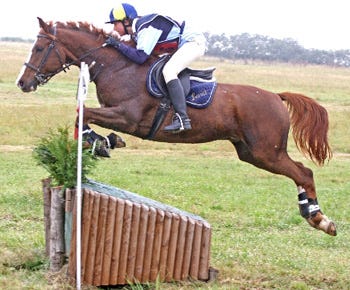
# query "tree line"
(263, 48)
(248, 47)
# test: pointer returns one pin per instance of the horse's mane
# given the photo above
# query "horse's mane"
(80, 26)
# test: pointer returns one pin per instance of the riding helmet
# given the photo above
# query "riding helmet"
(121, 12)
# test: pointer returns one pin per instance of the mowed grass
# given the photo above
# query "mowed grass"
(259, 239)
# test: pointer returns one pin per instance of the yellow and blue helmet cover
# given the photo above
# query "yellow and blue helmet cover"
(121, 12)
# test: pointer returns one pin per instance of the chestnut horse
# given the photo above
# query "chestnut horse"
(254, 120)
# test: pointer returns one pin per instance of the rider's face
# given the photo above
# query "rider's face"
(118, 26)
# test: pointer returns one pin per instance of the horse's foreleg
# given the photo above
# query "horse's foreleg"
(99, 145)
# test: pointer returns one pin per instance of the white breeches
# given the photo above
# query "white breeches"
(181, 59)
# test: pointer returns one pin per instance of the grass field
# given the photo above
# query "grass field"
(259, 239)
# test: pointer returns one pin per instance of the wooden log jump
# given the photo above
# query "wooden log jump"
(127, 238)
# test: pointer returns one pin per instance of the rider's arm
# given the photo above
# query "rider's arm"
(136, 55)
(147, 39)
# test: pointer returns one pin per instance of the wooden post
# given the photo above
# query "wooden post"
(164, 252)
(157, 244)
(57, 229)
(149, 244)
(174, 234)
(90, 258)
(186, 264)
(203, 273)
(125, 243)
(196, 250)
(135, 226)
(141, 247)
(118, 228)
(107, 254)
(180, 246)
(47, 208)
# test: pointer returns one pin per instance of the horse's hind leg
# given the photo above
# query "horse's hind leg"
(279, 162)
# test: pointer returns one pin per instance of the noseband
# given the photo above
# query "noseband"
(43, 78)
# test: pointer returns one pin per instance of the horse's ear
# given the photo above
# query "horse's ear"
(43, 25)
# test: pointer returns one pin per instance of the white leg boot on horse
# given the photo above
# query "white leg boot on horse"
(100, 145)
(310, 210)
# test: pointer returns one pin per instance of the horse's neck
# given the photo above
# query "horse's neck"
(110, 71)
(79, 44)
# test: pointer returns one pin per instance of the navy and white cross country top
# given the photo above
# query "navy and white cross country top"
(153, 29)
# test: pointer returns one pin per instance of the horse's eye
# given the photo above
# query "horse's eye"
(38, 49)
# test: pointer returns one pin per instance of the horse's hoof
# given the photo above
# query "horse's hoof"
(100, 148)
(327, 226)
(102, 152)
(332, 229)
(116, 141)
(323, 223)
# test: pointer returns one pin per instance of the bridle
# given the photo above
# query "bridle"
(43, 78)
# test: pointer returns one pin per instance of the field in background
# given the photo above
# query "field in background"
(259, 239)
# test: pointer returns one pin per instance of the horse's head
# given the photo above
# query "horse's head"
(47, 58)
(60, 45)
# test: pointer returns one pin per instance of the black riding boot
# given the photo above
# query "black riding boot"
(181, 122)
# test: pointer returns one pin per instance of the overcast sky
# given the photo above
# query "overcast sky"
(320, 24)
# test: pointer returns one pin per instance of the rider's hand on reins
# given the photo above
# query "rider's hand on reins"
(111, 41)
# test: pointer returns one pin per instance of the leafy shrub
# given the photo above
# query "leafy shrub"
(58, 154)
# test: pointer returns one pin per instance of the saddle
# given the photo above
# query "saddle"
(199, 85)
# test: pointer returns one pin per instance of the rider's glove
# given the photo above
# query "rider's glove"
(111, 41)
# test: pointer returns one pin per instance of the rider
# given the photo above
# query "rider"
(153, 34)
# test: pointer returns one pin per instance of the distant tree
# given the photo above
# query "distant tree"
(15, 39)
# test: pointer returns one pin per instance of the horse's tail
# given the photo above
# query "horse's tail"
(309, 126)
